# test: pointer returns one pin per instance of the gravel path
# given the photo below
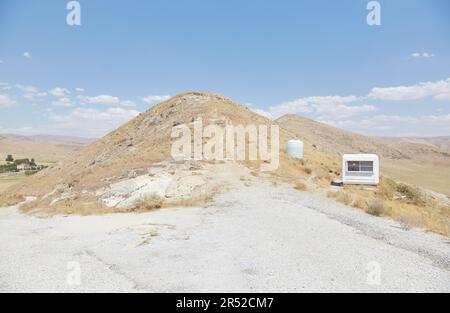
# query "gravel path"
(254, 239)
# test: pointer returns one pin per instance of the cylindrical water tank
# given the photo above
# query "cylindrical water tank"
(295, 149)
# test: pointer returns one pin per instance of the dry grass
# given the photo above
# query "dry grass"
(147, 202)
(9, 200)
(376, 207)
(79, 205)
(10, 180)
(300, 186)
(413, 209)
(413, 194)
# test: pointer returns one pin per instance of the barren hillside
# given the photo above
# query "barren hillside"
(135, 159)
(44, 149)
(438, 142)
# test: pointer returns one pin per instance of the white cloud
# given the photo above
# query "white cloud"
(102, 99)
(291, 107)
(128, 103)
(59, 92)
(341, 111)
(6, 101)
(35, 96)
(115, 114)
(443, 97)
(437, 89)
(27, 55)
(396, 125)
(79, 89)
(325, 106)
(393, 118)
(27, 89)
(31, 93)
(62, 102)
(96, 123)
(421, 55)
(439, 118)
(153, 99)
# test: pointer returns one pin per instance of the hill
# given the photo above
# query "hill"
(134, 161)
(438, 142)
(44, 149)
(131, 168)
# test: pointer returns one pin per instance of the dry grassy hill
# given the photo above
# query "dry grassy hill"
(416, 163)
(131, 168)
(44, 149)
(438, 142)
(136, 148)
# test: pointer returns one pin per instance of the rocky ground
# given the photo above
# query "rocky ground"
(253, 238)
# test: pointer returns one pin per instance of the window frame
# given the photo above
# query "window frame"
(360, 167)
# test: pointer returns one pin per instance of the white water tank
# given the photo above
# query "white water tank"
(295, 149)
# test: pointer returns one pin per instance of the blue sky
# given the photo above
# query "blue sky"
(319, 59)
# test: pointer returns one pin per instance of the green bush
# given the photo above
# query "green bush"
(8, 168)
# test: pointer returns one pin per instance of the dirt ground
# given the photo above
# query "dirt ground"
(253, 238)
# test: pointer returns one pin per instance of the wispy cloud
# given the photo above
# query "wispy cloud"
(352, 112)
(27, 89)
(101, 99)
(62, 102)
(59, 92)
(422, 55)
(439, 89)
(95, 122)
(31, 93)
(336, 106)
(7, 101)
(105, 100)
(27, 55)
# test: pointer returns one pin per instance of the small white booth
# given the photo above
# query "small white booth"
(361, 169)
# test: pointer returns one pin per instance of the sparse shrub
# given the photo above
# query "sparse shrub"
(413, 194)
(148, 202)
(387, 188)
(344, 197)
(301, 187)
(308, 170)
(376, 208)
(360, 203)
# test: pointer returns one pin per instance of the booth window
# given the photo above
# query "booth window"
(360, 166)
